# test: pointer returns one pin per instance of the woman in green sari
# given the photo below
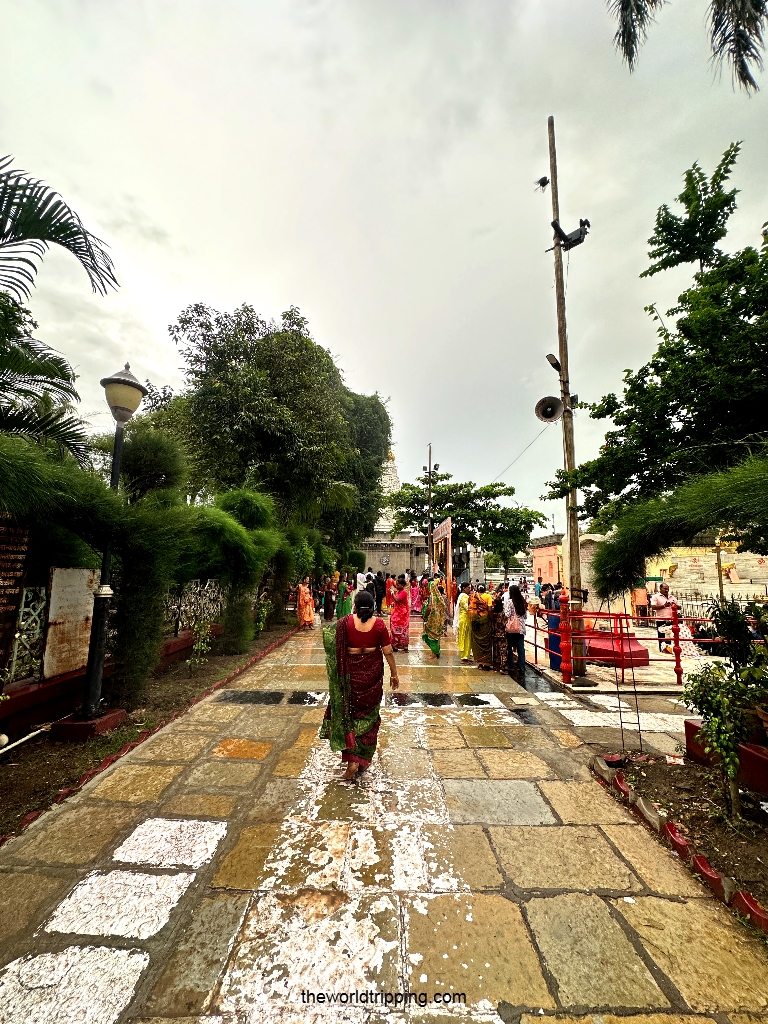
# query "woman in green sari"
(344, 602)
(355, 648)
(434, 619)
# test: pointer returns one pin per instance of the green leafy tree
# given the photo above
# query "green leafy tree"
(735, 32)
(32, 217)
(697, 405)
(508, 530)
(36, 386)
(477, 517)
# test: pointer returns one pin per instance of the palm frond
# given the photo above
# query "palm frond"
(736, 32)
(633, 18)
(63, 429)
(29, 369)
(32, 216)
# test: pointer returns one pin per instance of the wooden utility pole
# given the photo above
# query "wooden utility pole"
(430, 542)
(573, 574)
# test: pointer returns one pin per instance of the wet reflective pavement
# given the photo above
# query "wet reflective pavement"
(222, 871)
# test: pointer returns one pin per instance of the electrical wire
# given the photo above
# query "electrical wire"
(501, 474)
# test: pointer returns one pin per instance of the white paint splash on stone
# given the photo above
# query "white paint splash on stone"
(77, 985)
(123, 903)
(168, 843)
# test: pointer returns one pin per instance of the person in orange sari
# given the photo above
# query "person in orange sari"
(305, 605)
(482, 627)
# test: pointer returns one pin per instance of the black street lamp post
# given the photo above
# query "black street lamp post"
(124, 395)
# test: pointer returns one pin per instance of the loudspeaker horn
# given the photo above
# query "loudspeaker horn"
(549, 409)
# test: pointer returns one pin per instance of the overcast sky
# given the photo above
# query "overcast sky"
(372, 162)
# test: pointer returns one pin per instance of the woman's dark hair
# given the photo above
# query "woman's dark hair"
(364, 605)
(517, 599)
(466, 586)
(401, 579)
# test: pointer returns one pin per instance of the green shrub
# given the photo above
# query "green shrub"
(357, 559)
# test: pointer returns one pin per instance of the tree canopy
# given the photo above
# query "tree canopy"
(697, 405)
(477, 517)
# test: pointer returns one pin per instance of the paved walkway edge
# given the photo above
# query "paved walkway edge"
(64, 794)
(723, 887)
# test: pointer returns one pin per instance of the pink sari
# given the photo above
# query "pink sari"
(399, 620)
(415, 598)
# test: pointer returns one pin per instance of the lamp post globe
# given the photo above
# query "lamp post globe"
(124, 394)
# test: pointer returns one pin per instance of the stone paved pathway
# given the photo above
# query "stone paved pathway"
(222, 873)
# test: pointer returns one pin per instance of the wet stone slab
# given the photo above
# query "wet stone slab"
(75, 834)
(318, 941)
(223, 774)
(23, 895)
(172, 746)
(200, 805)
(136, 783)
(658, 867)
(484, 736)
(78, 985)
(473, 944)
(495, 802)
(561, 857)
(125, 903)
(711, 959)
(243, 866)
(241, 749)
(186, 984)
(584, 803)
(589, 955)
(170, 843)
(514, 764)
(276, 800)
(458, 858)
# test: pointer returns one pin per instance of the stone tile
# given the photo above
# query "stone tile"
(23, 896)
(223, 774)
(514, 764)
(210, 711)
(136, 783)
(170, 843)
(712, 960)
(307, 855)
(341, 802)
(314, 941)
(663, 743)
(484, 736)
(528, 737)
(566, 738)
(200, 805)
(75, 834)
(394, 734)
(564, 857)
(444, 738)
(77, 985)
(313, 716)
(584, 803)
(476, 944)
(657, 866)
(243, 750)
(495, 802)
(458, 764)
(197, 961)
(368, 860)
(569, 764)
(291, 762)
(264, 725)
(242, 868)
(306, 737)
(125, 903)
(458, 858)
(178, 745)
(406, 763)
(276, 800)
(589, 955)
(610, 1018)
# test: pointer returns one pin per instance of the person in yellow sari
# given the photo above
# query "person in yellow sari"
(482, 627)
(434, 619)
(305, 605)
(462, 625)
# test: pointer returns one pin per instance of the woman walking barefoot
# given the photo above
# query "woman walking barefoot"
(400, 616)
(462, 625)
(434, 619)
(355, 648)
(344, 602)
(415, 597)
(329, 600)
(482, 627)
(305, 605)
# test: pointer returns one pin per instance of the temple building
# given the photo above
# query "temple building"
(406, 552)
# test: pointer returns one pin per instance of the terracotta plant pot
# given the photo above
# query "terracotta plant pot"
(762, 714)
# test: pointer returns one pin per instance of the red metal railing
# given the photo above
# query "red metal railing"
(626, 651)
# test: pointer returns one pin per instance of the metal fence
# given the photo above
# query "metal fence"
(27, 650)
(193, 604)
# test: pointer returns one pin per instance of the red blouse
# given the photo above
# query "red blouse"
(376, 637)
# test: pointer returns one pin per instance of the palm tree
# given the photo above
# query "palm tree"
(32, 216)
(735, 30)
(36, 386)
